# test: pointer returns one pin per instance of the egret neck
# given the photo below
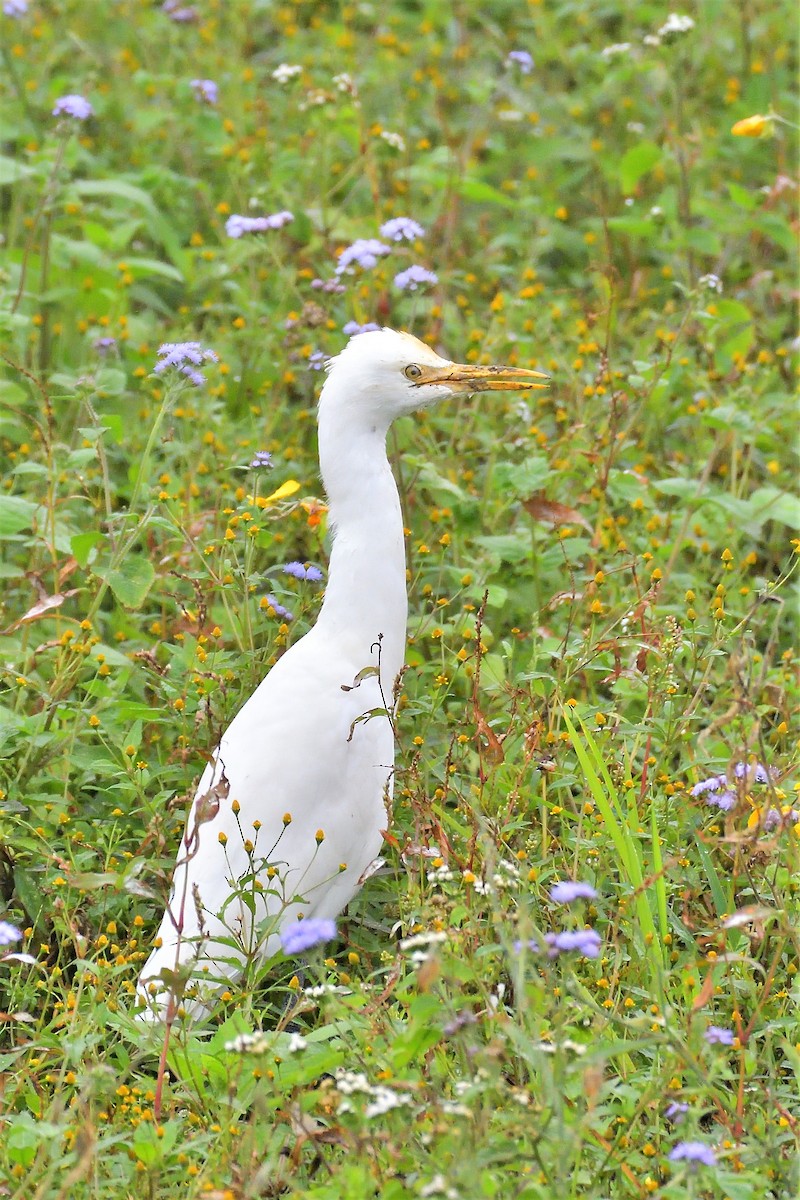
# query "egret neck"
(366, 594)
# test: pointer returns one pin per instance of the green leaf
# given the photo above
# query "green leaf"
(82, 545)
(131, 580)
(16, 514)
(742, 197)
(12, 170)
(635, 163)
(676, 487)
(139, 267)
(771, 504)
(483, 193)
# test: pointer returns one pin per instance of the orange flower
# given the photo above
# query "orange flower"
(750, 126)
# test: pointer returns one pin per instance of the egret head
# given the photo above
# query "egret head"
(384, 374)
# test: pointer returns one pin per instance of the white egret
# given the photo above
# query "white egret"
(290, 812)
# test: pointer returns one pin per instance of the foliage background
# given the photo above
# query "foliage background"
(600, 585)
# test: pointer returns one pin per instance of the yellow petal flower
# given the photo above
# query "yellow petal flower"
(750, 126)
(286, 489)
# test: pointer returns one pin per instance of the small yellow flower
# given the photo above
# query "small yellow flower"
(751, 126)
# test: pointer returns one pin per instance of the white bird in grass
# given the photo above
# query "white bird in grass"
(289, 815)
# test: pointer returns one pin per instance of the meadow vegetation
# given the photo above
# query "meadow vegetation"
(601, 682)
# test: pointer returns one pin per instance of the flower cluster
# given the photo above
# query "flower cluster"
(15, 8)
(286, 71)
(299, 571)
(581, 941)
(205, 90)
(186, 357)
(180, 14)
(715, 1035)
(363, 252)
(382, 1099)
(8, 933)
(261, 459)
(401, 229)
(73, 106)
(676, 23)
(410, 279)
(366, 252)
(521, 59)
(693, 1152)
(304, 935)
(565, 893)
(352, 328)
(719, 791)
(237, 225)
(279, 609)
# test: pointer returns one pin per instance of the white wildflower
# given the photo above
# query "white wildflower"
(296, 1042)
(496, 998)
(248, 1043)
(615, 51)
(676, 23)
(315, 98)
(431, 938)
(348, 1082)
(326, 989)
(438, 1186)
(286, 71)
(712, 282)
(384, 1099)
(395, 140)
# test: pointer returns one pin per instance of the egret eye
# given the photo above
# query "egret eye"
(412, 371)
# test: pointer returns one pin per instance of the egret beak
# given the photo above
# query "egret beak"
(461, 378)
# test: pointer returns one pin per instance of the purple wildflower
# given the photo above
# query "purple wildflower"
(236, 225)
(352, 328)
(565, 893)
(299, 570)
(181, 14)
(530, 944)
(714, 784)
(364, 252)
(675, 1111)
(279, 609)
(401, 229)
(720, 792)
(410, 279)
(303, 935)
(316, 361)
(205, 90)
(760, 773)
(261, 459)
(15, 8)
(104, 344)
(73, 106)
(9, 933)
(697, 1152)
(328, 285)
(180, 355)
(582, 941)
(715, 1035)
(521, 59)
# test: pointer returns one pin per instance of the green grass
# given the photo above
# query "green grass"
(602, 592)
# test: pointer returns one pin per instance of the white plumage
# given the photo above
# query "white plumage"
(300, 785)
